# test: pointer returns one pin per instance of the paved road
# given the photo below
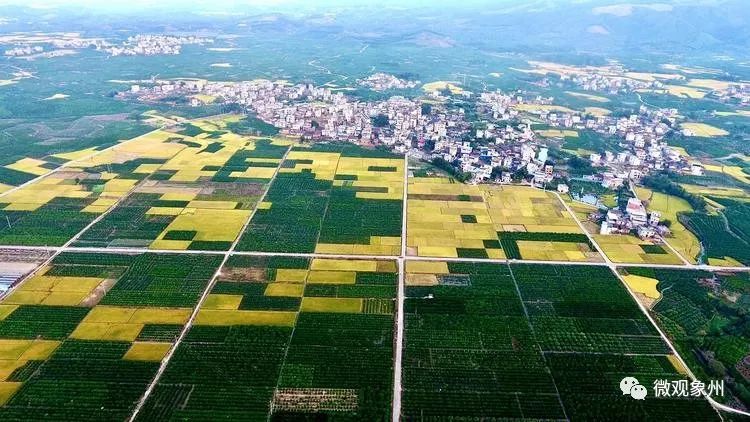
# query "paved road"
(399, 346)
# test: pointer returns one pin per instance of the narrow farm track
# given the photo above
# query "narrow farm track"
(204, 295)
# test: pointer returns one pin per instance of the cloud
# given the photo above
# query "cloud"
(625, 9)
(597, 29)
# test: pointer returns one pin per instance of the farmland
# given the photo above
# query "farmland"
(703, 313)
(529, 341)
(197, 198)
(448, 219)
(286, 338)
(88, 325)
(181, 187)
(335, 199)
(631, 249)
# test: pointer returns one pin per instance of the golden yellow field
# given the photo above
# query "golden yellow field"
(684, 91)
(47, 290)
(741, 113)
(147, 351)
(442, 85)
(643, 285)
(712, 84)
(447, 219)
(331, 304)
(554, 133)
(703, 130)
(29, 165)
(116, 323)
(595, 98)
(627, 249)
(597, 111)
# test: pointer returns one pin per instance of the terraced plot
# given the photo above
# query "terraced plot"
(448, 219)
(286, 338)
(82, 339)
(489, 341)
(331, 199)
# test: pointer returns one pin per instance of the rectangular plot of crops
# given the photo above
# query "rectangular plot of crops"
(449, 219)
(584, 309)
(286, 338)
(471, 352)
(331, 198)
(468, 349)
(83, 338)
(593, 335)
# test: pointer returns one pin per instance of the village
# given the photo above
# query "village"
(500, 146)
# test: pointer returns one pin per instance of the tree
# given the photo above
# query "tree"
(426, 108)
(451, 169)
(496, 172)
(429, 145)
(579, 165)
(381, 120)
(520, 174)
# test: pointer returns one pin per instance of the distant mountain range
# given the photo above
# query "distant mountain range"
(696, 27)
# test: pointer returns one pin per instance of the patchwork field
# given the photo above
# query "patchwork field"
(447, 219)
(193, 187)
(199, 198)
(486, 341)
(703, 130)
(82, 338)
(331, 199)
(286, 338)
(631, 249)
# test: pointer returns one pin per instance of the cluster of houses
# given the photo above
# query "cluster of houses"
(152, 45)
(614, 84)
(320, 113)
(24, 51)
(635, 218)
(383, 82)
